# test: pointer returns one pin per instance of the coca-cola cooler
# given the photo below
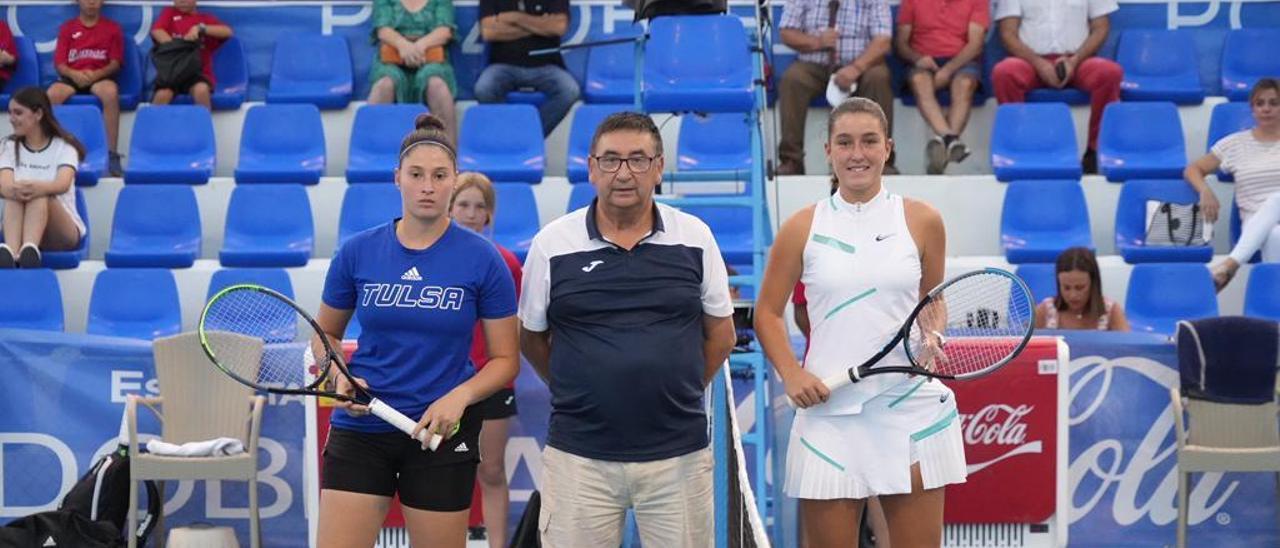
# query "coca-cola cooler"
(1015, 435)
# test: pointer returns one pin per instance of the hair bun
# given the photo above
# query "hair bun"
(428, 121)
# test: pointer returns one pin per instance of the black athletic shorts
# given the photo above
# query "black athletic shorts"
(388, 463)
(501, 405)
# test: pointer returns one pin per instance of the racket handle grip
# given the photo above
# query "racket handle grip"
(399, 420)
(833, 383)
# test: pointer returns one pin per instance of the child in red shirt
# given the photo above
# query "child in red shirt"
(89, 53)
(183, 22)
(8, 54)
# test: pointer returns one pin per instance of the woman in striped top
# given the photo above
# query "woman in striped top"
(1253, 157)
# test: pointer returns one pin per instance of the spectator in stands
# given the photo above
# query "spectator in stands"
(182, 22)
(514, 28)
(474, 206)
(1079, 303)
(37, 181)
(942, 42)
(8, 54)
(89, 53)
(1053, 44)
(625, 313)
(1253, 157)
(411, 64)
(850, 48)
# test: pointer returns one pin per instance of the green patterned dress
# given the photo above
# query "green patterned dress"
(411, 83)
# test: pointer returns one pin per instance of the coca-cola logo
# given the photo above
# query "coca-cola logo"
(999, 424)
(996, 424)
(1105, 467)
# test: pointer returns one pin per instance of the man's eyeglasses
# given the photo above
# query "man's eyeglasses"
(637, 164)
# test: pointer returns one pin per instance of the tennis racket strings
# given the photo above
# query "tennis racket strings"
(972, 324)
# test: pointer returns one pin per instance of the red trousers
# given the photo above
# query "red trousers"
(1100, 78)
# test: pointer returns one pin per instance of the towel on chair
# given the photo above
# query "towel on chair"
(217, 447)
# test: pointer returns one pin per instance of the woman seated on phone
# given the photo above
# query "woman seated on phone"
(410, 64)
(1079, 303)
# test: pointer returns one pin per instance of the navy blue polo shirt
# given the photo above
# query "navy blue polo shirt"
(626, 333)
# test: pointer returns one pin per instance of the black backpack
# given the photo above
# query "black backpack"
(102, 494)
(60, 528)
(178, 64)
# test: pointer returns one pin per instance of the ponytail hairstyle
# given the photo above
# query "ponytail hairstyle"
(36, 100)
(429, 130)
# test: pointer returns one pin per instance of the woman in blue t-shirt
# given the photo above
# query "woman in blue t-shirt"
(419, 284)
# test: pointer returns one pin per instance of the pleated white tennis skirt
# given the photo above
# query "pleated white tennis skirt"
(871, 453)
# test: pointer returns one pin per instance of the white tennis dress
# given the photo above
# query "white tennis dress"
(862, 280)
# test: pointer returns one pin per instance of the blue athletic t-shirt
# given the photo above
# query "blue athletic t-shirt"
(417, 309)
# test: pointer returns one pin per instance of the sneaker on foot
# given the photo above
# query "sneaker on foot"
(1089, 162)
(935, 154)
(6, 257)
(957, 151)
(114, 168)
(29, 256)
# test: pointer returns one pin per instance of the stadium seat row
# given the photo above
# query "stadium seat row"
(1160, 294)
(1041, 218)
(317, 69)
(1136, 141)
(143, 303)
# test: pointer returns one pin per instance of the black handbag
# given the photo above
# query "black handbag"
(178, 64)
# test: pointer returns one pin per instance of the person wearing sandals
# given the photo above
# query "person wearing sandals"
(37, 181)
(1253, 157)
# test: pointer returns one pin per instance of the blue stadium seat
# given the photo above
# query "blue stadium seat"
(59, 260)
(138, 303)
(611, 74)
(367, 206)
(513, 154)
(1040, 218)
(717, 79)
(231, 72)
(1235, 226)
(1131, 222)
(516, 220)
(1159, 65)
(1141, 141)
(171, 144)
(1034, 141)
(85, 122)
(32, 300)
(311, 68)
(719, 142)
(1041, 279)
(273, 278)
(268, 225)
(1227, 118)
(731, 227)
(281, 144)
(376, 134)
(1161, 294)
(585, 120)
(1262, 295)
(155, 226)
(1248, 55)
(580, 196)
(27, 73)
(129, 80)
(1067, 96)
